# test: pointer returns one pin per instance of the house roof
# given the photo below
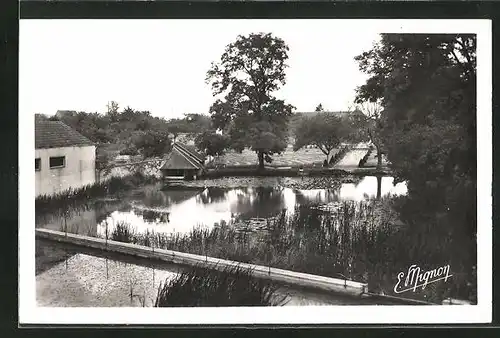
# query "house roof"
(55, 134)
(191, 150)
(181, 157)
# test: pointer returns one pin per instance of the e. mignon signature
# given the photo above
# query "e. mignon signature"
(415, 278)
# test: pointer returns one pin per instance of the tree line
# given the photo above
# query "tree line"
(135, 132)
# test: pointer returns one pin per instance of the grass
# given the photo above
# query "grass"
(203, 287)
(359, 241)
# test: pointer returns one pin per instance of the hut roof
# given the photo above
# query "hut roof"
(182, 158)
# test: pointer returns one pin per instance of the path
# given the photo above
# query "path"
(351, 158)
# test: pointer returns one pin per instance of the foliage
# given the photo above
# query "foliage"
(190, 124)
(249, 71)
(319, 108)
(133, 129)
(131, 151)
(211, 143)
(324, 130)
(426, 85)
(233, 286)
(151, 143)
(102, 160)
(136, 131)
(122, 233)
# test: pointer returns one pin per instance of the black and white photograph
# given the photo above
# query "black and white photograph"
(255, 171)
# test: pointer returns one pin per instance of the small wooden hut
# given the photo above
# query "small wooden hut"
(182, 163)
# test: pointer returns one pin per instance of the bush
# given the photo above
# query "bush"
(123, 233)
(203, 287)
(131, 151)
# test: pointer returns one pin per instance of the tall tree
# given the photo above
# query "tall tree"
(113, 110)
(427, 87)
(249, 71)
(319, 108)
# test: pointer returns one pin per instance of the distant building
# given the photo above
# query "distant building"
(64, 158)
(183, 162)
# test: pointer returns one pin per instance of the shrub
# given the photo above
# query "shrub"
(131, 151)
(231, 287)
(123, 233)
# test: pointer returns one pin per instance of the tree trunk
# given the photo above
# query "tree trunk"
(379, 187)
(260, 154)
(379, 159)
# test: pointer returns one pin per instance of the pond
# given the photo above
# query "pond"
(178, 211)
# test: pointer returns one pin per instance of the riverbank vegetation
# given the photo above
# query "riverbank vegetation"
(73, 198)
(361, 241)
(205, 287)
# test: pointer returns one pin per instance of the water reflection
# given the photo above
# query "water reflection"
(155, 210)
(90, 281)
(367, 188)
(87, 280)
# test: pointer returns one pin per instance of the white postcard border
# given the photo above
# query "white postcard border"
(29, 313)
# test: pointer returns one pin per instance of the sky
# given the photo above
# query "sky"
(161, 65)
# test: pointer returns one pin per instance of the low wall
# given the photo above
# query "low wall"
(293, 278)
(291, 172)
(149, 167)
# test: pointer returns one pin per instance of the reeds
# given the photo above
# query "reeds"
(61, 203)
(233, 286)
(361, 241)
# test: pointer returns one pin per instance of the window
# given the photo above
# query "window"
(37, 164)
(57, 162)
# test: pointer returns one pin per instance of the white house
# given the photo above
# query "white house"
(64, 158)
